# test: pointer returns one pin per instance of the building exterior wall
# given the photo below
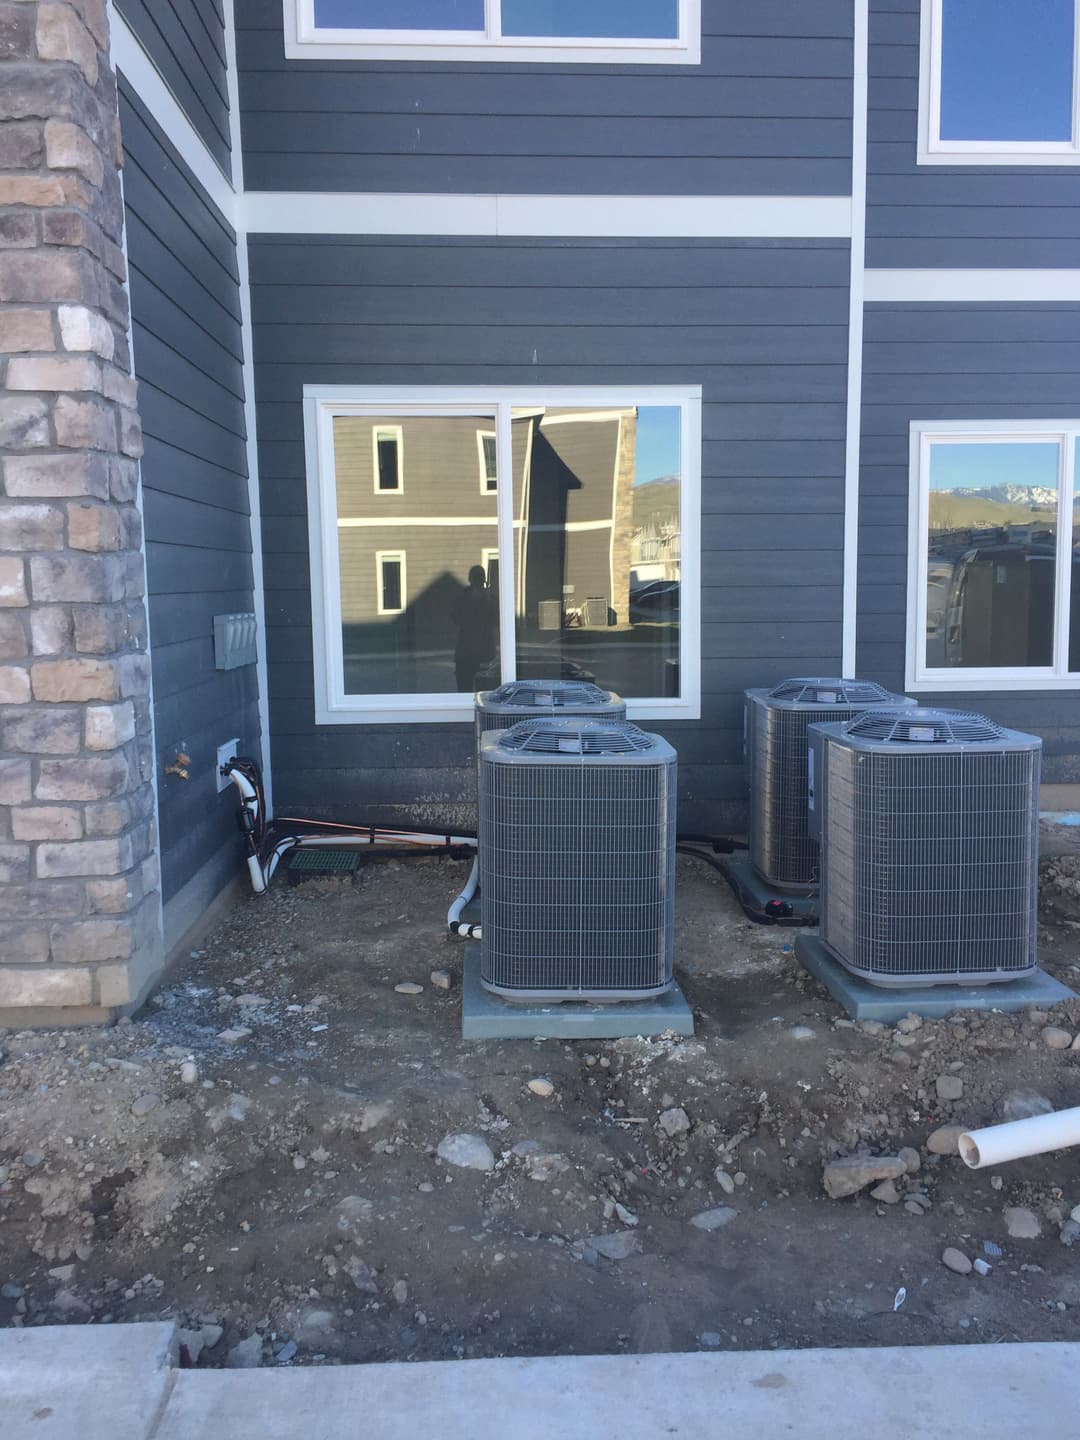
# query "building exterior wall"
(187, 348)
(954, 362)
(185, 39)
(761, 326)
(767, 112)
(951, 215)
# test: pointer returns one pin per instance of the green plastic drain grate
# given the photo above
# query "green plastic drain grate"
(307, 863)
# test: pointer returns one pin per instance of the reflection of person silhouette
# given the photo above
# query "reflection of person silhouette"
(475, 616)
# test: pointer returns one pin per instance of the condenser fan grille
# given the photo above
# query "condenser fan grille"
(520, 700)
(551, 695)
(823, 690)
(565, 738)
(926, 727)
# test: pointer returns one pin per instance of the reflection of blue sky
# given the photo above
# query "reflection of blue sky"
(645, 19)
(1006, 69)
(657, 443)
(400, 14)
(977, 467)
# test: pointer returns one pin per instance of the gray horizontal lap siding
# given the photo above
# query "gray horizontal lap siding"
(186, 41)
(186, 340)
(768, 111)
(944, 216)
(954, 362)
(760, 325)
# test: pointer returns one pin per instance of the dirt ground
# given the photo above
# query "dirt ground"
(283, 1188)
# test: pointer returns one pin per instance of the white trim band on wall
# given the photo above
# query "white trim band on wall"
(942, 287)
(805, 217)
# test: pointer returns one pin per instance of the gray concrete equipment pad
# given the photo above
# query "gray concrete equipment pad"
(112, 1382)
(967, 1392)
(85, 1382)
(485, 1016)
(864, 1001)
(756, 895)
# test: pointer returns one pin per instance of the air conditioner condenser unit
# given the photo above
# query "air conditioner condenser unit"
(775, 724)
(577, 861)
(928, 821)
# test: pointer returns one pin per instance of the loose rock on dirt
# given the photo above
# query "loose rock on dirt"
(852, 1173)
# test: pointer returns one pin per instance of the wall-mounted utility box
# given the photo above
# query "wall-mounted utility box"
(234, 641)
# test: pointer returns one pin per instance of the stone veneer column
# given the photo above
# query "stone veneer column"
(79, 909)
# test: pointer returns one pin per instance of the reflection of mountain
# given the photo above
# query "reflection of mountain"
(972, 510)
(656, 501)
(657, 537)
(1030, 495)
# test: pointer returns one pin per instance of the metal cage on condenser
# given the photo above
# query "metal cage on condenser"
(775, 722)
(930, 845)
(520, 700)
(577, 861)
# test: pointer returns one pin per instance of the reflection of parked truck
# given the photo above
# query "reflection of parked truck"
(1000, 608)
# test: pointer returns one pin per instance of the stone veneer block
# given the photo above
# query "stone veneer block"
(79, 908)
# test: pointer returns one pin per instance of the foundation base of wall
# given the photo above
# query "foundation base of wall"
(44, 1017)
(485, 1017)
(864, 1001)
(138, 979)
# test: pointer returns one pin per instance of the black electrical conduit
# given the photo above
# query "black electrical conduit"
(269, 840)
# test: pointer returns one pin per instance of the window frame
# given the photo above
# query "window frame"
(919, 677)
(333, 706)
(381, 557)
(398, 433)
(485, 487)
(933, 150)
(305, 41)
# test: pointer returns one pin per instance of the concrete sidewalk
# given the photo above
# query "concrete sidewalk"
(115, 1383)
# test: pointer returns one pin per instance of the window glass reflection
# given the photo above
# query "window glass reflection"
(991, 554)
(399, 14)
(597, 533)
(419, 584)
(1007, 69)
(610, 19)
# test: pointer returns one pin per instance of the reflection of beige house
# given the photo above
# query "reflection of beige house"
(417, 510)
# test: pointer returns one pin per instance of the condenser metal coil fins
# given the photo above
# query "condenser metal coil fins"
(577, 861)
(775, 735)
(929, 844)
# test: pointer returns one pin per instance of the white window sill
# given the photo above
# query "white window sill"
(460, 710)
(1018, 156)
(948, 683)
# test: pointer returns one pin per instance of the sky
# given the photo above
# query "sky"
(614, 18)
(978, 467)
(657, 442)
(1006, 69)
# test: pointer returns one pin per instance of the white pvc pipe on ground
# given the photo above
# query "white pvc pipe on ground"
(1019, 1138)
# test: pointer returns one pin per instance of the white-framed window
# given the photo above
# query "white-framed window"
(487, 451)
(999, 82)
(994, 556)
(548, 576)
(390, 592)
(388, 459)
(489, 558)
(590, 32)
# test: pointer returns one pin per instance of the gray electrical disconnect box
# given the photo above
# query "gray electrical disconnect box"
(234, 641)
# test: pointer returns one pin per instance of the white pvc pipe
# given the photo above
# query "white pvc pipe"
(1019, 1138)
(453, 916)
